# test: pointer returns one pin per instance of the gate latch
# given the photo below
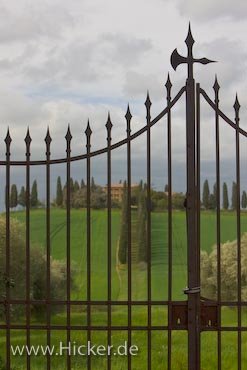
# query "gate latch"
(193, 290)
(208, 315)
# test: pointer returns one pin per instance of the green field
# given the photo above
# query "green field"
(99, 249)
(139, 288)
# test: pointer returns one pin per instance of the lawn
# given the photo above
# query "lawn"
(139, 289)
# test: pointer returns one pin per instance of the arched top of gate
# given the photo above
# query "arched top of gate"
(88, 133)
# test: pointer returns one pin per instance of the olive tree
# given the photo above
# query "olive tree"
(37, 270)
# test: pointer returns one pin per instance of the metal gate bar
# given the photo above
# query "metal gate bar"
(170, 241)
(48, 245)
(109, 237)
(236, 108)
(68, 138)
(88, 133)
(149, 241)
(128, 117)
(28, 308)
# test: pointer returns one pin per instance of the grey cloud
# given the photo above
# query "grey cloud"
(124, 50)
(136, 84)
(231, 57)
(33, 21)
(80, 62)
(211, 9)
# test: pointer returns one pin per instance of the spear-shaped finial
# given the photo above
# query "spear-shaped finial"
(8, 139)
(168, 83)
(236, 105)
(216, 85)
(68, 135)
(128, 114)
(216, 88)
(68, 138)
(48, 138)
(88, 130)
(148, 102)
(177, 59)
(28, 141)
(128, 117)
(189, 41)
(108, 123)
(28, 138)
(48, 141)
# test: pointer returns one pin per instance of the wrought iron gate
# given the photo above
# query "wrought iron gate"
(194, 315)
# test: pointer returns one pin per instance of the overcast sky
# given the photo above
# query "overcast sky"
(63, 62)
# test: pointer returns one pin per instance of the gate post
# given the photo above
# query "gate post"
(192, 208)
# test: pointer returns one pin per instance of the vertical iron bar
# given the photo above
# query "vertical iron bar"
(48, 246)
(7, 274)
(149, 241)
(88, 133)
(239, 267)
(169, 158)
(198, 194)
(109, 237)
(198, 205)
(193, 248)
(28, 311)
(128, 117)
(68, 138)
(216, 88)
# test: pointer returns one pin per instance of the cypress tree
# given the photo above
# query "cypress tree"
(59, 197)
(244, 200)
(206, 195)
(214, 198)
(234, 195)
(225, 197)
(76, 186)
(22, 197)
(166, 188)
(142, 227)
(34, 195)
(141, 184)
(123, 240)
(82, 184)
(93, 186)
(13, 196)
(71, 185)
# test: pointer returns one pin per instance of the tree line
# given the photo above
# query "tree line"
(20, 198)
(209, 200)
(78, 194)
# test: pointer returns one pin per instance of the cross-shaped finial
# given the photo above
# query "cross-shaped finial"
(177, 59)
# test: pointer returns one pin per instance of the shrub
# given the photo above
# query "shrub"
(228, 271)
